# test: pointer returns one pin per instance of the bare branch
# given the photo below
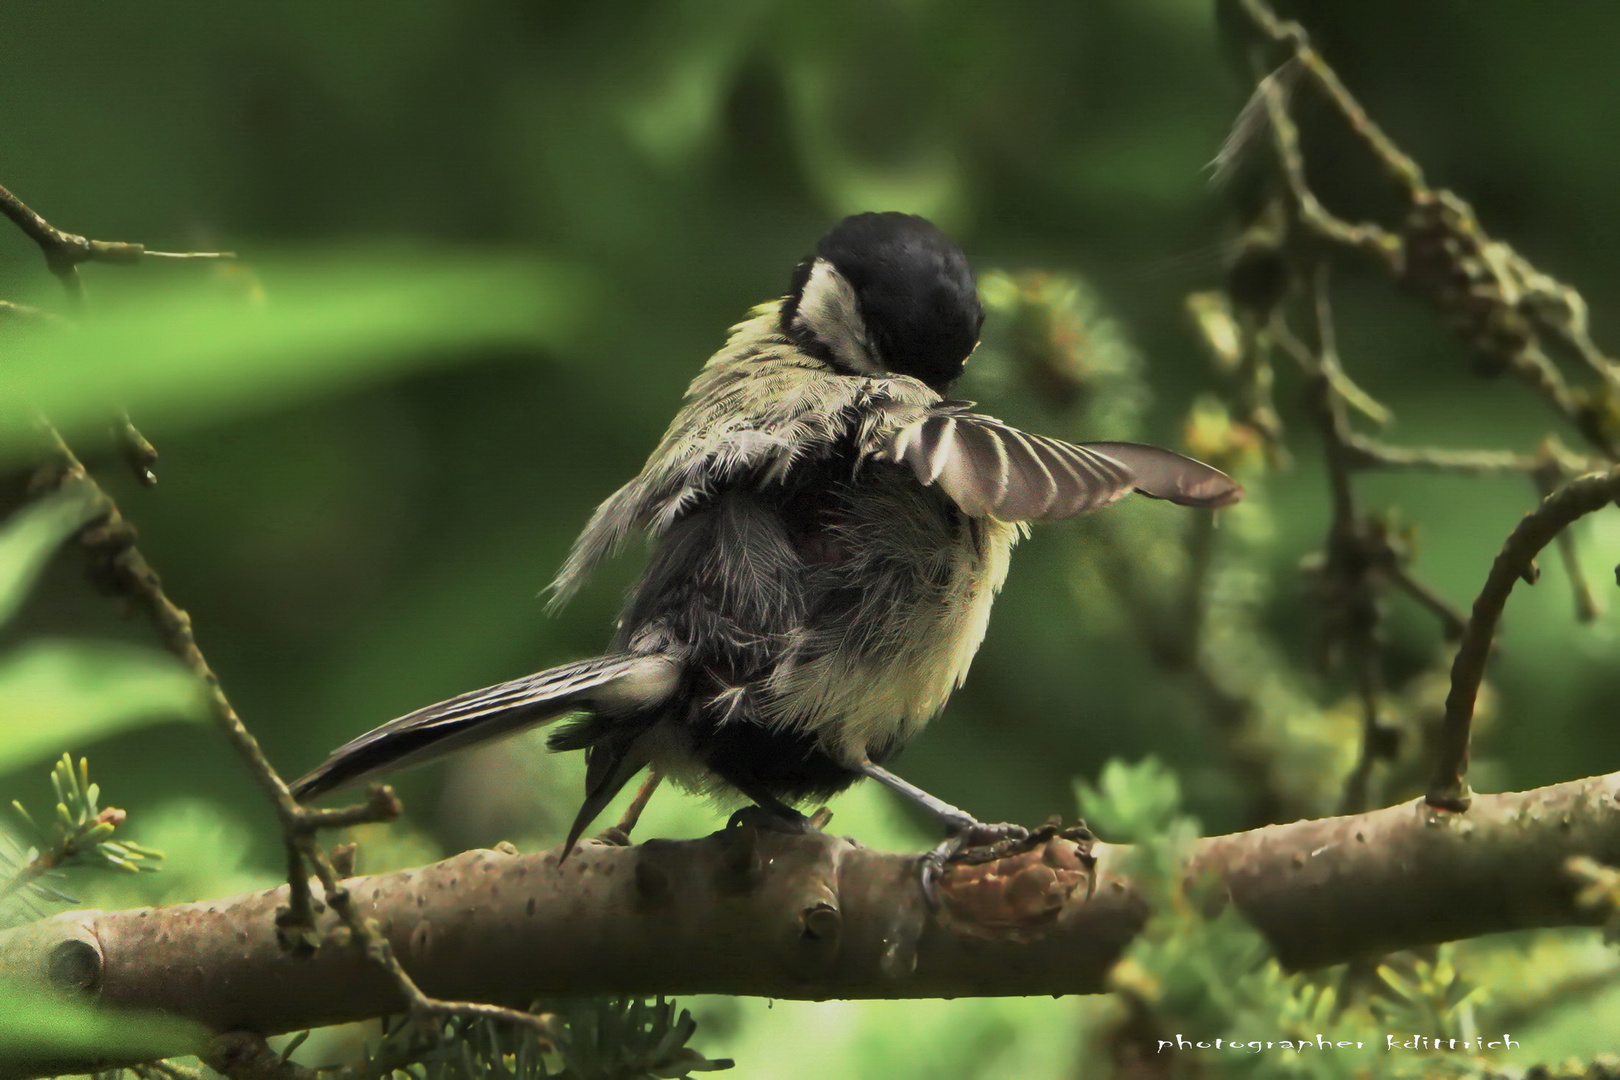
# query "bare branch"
(1402, 169)
(1495, 298)
(1449, 789)
(64, 251)
(1368, 453)
(1366, 236)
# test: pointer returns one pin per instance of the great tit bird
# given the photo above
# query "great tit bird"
(828, 531)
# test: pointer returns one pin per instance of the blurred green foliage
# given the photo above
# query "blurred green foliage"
(34, 1026)
(286, 330)
(1191, 981)
(29, 540)
(589, 1039)
(54, 693)
(485, 246)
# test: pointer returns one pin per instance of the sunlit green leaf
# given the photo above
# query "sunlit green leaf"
(30, 538)
(281, 330)
(1131, 802)
(36, 1025)
(54, 695)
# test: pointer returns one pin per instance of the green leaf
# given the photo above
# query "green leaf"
(277, 331)
(31, 537)
(38, 1025)
(54, 695)
(1131, 802)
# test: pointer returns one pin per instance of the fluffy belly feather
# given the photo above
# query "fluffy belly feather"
(924, 586)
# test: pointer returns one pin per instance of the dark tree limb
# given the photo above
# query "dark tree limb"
(815, 916)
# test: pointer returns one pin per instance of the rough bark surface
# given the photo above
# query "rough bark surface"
(818, 916)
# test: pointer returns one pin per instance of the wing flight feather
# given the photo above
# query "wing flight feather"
(990, 469)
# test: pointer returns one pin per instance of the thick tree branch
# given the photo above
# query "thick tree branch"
(819, 917)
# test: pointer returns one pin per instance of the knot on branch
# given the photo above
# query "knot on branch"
(74, 965)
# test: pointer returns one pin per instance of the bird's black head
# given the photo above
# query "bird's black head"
(886, 293)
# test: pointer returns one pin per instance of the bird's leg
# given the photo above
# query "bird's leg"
(620, 834)
(768, 812)
(966, 831)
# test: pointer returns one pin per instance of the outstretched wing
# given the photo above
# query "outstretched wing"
(992, 470)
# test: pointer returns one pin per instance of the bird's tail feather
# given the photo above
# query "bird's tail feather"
(620, 682)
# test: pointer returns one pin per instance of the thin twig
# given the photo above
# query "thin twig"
(1452, 620)
(1366, 237)
(1350, 569)
(64, 251)
(1401, 168)
(122, 568)
(244, 1055)
(380, 805)
(1548, 475)
(1365, 453)
(1449, 789)
(119, 567)
(138, 453)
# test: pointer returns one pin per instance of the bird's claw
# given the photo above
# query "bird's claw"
(975, 840)
(768, 820)
(615, 836)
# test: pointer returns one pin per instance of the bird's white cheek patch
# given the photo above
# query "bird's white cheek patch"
(829, 310)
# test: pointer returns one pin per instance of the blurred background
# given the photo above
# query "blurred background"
(353, 548)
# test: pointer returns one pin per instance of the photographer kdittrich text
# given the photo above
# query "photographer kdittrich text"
(1322, 1042)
